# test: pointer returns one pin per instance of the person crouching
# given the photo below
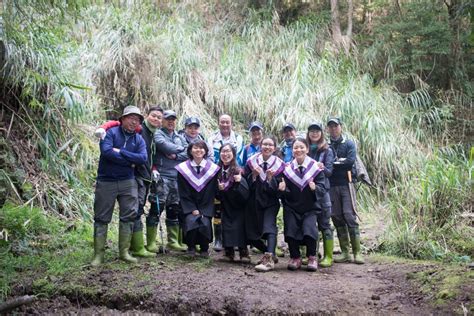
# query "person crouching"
(197, 185)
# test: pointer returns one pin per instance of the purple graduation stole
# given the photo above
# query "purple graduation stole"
(273, 163)
(228, 181)
(301, 180)
(197, 181)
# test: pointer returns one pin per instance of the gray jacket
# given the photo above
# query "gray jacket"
(168, 144)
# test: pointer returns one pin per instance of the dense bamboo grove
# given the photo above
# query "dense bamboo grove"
(66, 68)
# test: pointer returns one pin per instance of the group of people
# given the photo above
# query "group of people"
(224, 191)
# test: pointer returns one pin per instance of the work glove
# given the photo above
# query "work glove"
(155, 176)
(100, 133)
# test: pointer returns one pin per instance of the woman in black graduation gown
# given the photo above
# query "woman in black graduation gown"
(301, 187)
(263, 205)
(233, 194)
(197, 186)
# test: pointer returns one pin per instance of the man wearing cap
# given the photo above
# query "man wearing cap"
(121, 151)
(191, 130)
(225, 135)
(256, 134)
(343, 213)
(289, 136)
(171, 150)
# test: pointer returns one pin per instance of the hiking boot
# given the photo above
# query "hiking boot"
(312, 263)
(274, 258)
(343, 236)
(355, 243)
(294, 264)
(267, 263)
(244, 255)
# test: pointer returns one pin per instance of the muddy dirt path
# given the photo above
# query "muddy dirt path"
(181, 285)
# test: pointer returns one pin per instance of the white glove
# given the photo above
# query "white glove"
(100, 133)
(155, 176)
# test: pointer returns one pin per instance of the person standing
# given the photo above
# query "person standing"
(171, 150)
(225, 135)
(320, 151)
(343, 213)
(289, 136)
(121, 151)
(256, 134)
(191, 131)
(263, 204)
(233, 193)
(197, 186)
(301, 187)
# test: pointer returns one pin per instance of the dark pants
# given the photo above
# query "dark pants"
(153, 217)
(107, 192)
(169, 200)
(294, 246)
(342, 212)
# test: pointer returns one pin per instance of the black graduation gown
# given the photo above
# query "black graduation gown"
(300, 208)
(262, 207)
(202, 201)
(233, 213)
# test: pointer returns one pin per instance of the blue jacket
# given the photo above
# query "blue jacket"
(249, 151)
(345, 152)
(287, 150)
(116, 166)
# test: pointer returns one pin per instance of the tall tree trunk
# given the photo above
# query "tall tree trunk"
(454, 8)
(350, 11)
(335, 23)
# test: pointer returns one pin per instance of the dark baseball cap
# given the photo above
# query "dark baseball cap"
(255, 124)
(315, 125)
(334, 120)
(169, 114)
(192, 120)
(288, 126)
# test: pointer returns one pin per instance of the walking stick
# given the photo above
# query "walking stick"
(160, 225)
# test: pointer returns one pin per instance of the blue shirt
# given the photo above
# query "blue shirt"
(117, 166)
(249, 151)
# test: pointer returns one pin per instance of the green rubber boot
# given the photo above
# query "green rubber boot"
(304, 258)
(100, 239)
(354, 235)
(125, 236)
(328, 244)
(151, 232)
(173, 244)
(137, 247)
(279, 252)
(343, 236)
(181, 238)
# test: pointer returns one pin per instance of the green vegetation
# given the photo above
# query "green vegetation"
(403, 90)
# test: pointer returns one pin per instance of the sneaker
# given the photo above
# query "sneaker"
(294, 264)
(274, 258)
(312, 263)
(266, 264)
